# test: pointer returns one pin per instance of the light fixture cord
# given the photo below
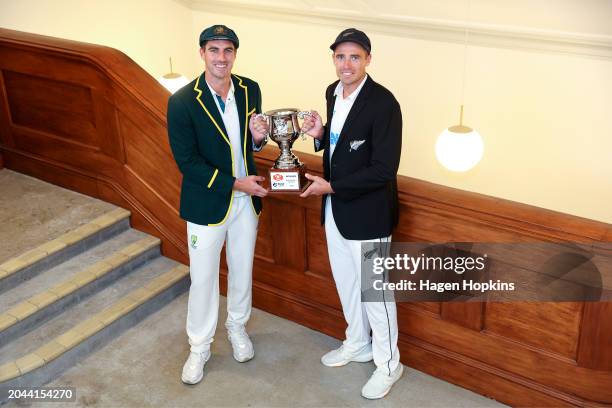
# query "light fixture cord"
(170, 64)
(465, 58)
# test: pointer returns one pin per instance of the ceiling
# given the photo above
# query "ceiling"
(562, 26)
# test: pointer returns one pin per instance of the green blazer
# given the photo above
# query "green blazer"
(202, 149)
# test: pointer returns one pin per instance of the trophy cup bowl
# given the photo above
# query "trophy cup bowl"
(287, 174)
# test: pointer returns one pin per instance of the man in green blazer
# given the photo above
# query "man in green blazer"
(213, 131)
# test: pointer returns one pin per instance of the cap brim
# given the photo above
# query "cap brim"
(220, 37)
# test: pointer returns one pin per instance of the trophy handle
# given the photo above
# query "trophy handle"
(268, 120)
(302, 115)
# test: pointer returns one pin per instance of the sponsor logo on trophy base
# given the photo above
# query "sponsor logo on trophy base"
(284, 181)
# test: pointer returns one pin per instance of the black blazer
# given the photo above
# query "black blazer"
(363, 174)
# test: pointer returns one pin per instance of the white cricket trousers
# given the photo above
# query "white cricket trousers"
(205, 242)
(381, 317)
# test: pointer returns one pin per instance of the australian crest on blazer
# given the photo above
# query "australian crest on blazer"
(195, 125)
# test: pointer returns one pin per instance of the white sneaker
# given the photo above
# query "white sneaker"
(341, 357)
(380, 382)
(241, 344)
(193, 370)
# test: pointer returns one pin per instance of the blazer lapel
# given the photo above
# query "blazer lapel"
(360, 102)
(241, 95)
(206, 101)
(331, 102)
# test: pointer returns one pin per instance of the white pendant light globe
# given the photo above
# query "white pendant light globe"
(173, 81)
(459, 148)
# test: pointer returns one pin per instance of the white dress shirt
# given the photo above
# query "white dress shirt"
(232, 126)
(342, 107)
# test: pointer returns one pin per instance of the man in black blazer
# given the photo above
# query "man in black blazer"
(213, 131)
(362, 142)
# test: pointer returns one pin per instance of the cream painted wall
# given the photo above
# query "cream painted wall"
(544, 117)
(149, 32)
(586, 16)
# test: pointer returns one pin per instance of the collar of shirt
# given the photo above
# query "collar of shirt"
(230, 93)
(340, 89)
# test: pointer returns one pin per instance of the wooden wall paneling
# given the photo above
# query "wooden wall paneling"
(288, 234)
(4, 121)
(150, 200)
(151, 162)
(57, 120)
(298, 309)
(436, 226)
(534, 364)
(6, 138)
(264, 246)
(311, 289)
(148, 115)
(106, 121)
(58, 108)
(51, 65)
(551, 327)
(434, 308)
(318, 257)
(595, 345)
(84, 158)
(466, 314)
(525, 220)
(480, 378)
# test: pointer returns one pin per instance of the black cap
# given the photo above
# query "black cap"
(353, 35)
(219, 32)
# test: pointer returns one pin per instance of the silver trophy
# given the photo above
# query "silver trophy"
(288, 173)
(284, 129)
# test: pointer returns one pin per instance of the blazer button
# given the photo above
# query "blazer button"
(333, 165)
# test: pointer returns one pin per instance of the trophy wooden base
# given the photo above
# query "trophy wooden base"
(287, 180)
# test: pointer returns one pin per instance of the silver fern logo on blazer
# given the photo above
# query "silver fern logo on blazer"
(355, 144)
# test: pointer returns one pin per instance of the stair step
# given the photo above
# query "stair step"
(42, 354)
(28, 305)
(27, 265)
